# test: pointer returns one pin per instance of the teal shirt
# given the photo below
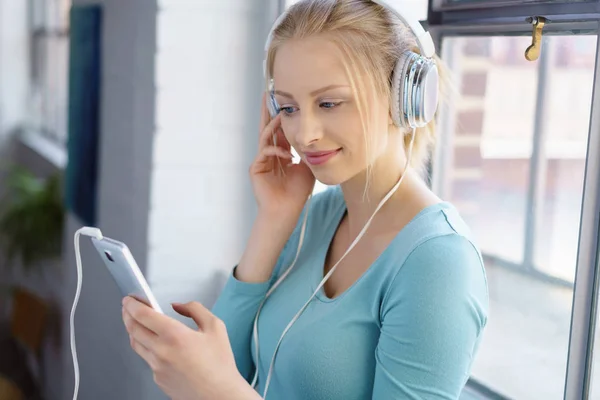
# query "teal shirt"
(408, 328)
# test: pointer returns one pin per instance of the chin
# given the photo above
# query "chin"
(331, 176)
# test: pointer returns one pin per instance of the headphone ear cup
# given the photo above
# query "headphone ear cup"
(414, 91)
(399, 91)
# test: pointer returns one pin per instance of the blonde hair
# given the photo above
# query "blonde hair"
(370, 40)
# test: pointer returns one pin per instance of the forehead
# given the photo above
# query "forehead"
(307, 64)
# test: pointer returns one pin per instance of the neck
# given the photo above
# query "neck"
(385, 173)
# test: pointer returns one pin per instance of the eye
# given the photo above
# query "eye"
(329, 104)
(288, 110)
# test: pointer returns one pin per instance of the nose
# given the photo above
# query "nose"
(310, 130)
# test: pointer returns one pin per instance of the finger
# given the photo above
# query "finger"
(158, 323)
(139, 332)
(267, 133)
(275, 151)
(265, 160)
(196, 311)
(143, 352)
(282, 140)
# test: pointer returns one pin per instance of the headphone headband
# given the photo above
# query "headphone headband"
(407, 16)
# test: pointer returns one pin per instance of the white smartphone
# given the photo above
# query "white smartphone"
(125, 271)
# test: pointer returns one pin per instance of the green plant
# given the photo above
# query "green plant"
(31, 218)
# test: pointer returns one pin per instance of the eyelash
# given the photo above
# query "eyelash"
(332, 103)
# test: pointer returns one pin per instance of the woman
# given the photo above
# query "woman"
(400, 317)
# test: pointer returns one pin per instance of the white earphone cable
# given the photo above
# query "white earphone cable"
(302, 231)
(92, 232)
(255, 327)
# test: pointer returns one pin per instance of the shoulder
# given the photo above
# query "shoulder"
(442, 267)
(451, 257)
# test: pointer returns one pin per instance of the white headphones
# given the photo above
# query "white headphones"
(415, 78)
(415, 98)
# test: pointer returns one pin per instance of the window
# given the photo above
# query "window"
(530, 249)
(49, 24)
(513, 158)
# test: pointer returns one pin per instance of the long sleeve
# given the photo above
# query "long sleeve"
(432, 321)
(237, 306)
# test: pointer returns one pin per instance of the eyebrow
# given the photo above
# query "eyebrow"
(313, 93)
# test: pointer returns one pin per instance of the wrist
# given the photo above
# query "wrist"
(274, 232)
(242, 390)
(279, 223)
(267, 239)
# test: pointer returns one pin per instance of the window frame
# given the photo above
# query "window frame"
(510, 12)
(587, 279)
(565, 19)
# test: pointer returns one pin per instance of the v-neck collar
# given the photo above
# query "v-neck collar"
(318, 268)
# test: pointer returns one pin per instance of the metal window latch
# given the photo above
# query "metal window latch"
(532, 53)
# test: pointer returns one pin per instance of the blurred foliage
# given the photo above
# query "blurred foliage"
(31, 218)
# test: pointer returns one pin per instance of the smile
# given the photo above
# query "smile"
(320, 157)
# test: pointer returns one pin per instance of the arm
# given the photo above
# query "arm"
(267, 240)
(247, 286)
(432, 320)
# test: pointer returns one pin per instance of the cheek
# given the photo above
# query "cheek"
(362, 149)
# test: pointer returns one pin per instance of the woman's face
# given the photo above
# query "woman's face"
(320, 116)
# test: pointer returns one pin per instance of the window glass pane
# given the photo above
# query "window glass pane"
(486, 156)
(49, 14)
(49, 33)
(419, 7)
(490, 173)
(566, 130)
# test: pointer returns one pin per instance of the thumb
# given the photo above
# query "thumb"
(196, 311)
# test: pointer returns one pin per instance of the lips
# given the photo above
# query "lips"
(320, 157)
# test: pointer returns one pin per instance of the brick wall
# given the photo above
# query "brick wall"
(209, 82)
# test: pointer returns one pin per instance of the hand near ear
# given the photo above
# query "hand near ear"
(281, 189)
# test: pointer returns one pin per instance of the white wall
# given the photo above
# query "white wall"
(209, 82)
